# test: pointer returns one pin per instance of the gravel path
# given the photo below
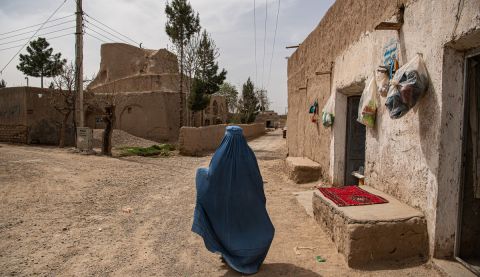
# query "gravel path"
(67, 214)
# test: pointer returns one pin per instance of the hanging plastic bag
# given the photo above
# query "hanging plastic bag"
(407, 86)
(328, 112)
(367, 108)
(382, 79)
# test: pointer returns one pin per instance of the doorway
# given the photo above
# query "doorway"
(467, 248)
(355, 142)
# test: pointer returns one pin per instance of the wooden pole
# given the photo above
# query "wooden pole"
(80, 115)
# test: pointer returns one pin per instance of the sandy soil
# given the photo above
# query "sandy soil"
(68, 214)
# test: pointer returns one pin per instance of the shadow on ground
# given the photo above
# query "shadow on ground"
(276, 269)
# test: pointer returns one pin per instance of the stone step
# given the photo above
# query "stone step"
(302, 170)
(374, 234)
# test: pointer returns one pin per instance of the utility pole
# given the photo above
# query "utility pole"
(79, 65)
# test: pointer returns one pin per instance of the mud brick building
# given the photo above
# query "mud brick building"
(424, 159)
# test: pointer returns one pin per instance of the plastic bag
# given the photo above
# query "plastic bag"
(328, 112)
(382, 79)
(407, 86)
(367, 108)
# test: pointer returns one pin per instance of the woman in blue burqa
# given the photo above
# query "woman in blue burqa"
(230, 213)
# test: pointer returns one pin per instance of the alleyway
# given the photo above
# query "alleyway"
(66, 214)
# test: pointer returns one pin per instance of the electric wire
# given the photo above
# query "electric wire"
(90, 23)
(100, 34)
(22, 39)
(88, 34)
(273, 47)
(264, 43)
(56, 19)
(103, 24)
(21, 48)
(48, 38)
(24, 33)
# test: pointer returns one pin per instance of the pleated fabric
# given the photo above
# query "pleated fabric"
(230, 213)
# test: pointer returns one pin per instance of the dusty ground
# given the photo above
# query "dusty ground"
(67, 214)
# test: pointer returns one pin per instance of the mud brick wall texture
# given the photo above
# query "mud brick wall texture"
(13, 133)
(199, 141)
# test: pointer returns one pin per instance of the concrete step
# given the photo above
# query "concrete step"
(302, 170)
(374, 234)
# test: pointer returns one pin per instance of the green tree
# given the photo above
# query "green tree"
(182, 24)
(40, 62)
(198, 100)
(207, 65)
(230, 93)
(248, 103)
(3, 84)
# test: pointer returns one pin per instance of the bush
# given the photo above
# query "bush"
(154, 150)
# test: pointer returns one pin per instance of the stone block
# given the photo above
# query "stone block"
(302, 170)
(374, 234)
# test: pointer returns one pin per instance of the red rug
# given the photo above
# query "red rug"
(351, 196)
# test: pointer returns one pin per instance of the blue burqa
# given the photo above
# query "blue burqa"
(230, 214)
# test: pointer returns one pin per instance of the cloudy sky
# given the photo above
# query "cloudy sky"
(230, 22)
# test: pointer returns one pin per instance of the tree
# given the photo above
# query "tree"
(63, 97)
(197, 100)
(40, 62)
(182, 24)
(191, 59)
(107, 101)
(248, 103)
(207, 65)
(3, 84)
(263, 101)
(230, 93)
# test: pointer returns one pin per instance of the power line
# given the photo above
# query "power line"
(255, 35)
(273, 47)
(22, 39)
(19, 50)
(96, 37)
(24, 33)
(112, 29)
(107, 32)
(105, 38)
(101, 35)
(13, 31)
(51, 38)
(264, 43)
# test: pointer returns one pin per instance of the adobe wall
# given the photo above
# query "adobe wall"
(27, 116)
(43, 120)
(13, 115)
(198, 141)
(151, 115)
(119, 61)
(415, 158)
(167, 82)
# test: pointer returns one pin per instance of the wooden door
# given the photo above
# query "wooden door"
(355, 143)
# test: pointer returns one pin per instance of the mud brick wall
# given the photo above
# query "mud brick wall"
(197, 141)
(13, 133)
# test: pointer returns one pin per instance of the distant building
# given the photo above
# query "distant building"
(146, 85)
(27, 116)
(270, 118)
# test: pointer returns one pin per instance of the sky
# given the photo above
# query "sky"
(230, 23)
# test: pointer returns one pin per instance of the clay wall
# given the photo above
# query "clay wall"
(201, 140)
(27, 115)
(13, 117)
(415, 158)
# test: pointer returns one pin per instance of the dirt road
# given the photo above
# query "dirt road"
(66, 214)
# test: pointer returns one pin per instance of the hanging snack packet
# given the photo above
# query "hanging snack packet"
(382, 79)
(367, 108)
(328, 112)
(407, 86)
